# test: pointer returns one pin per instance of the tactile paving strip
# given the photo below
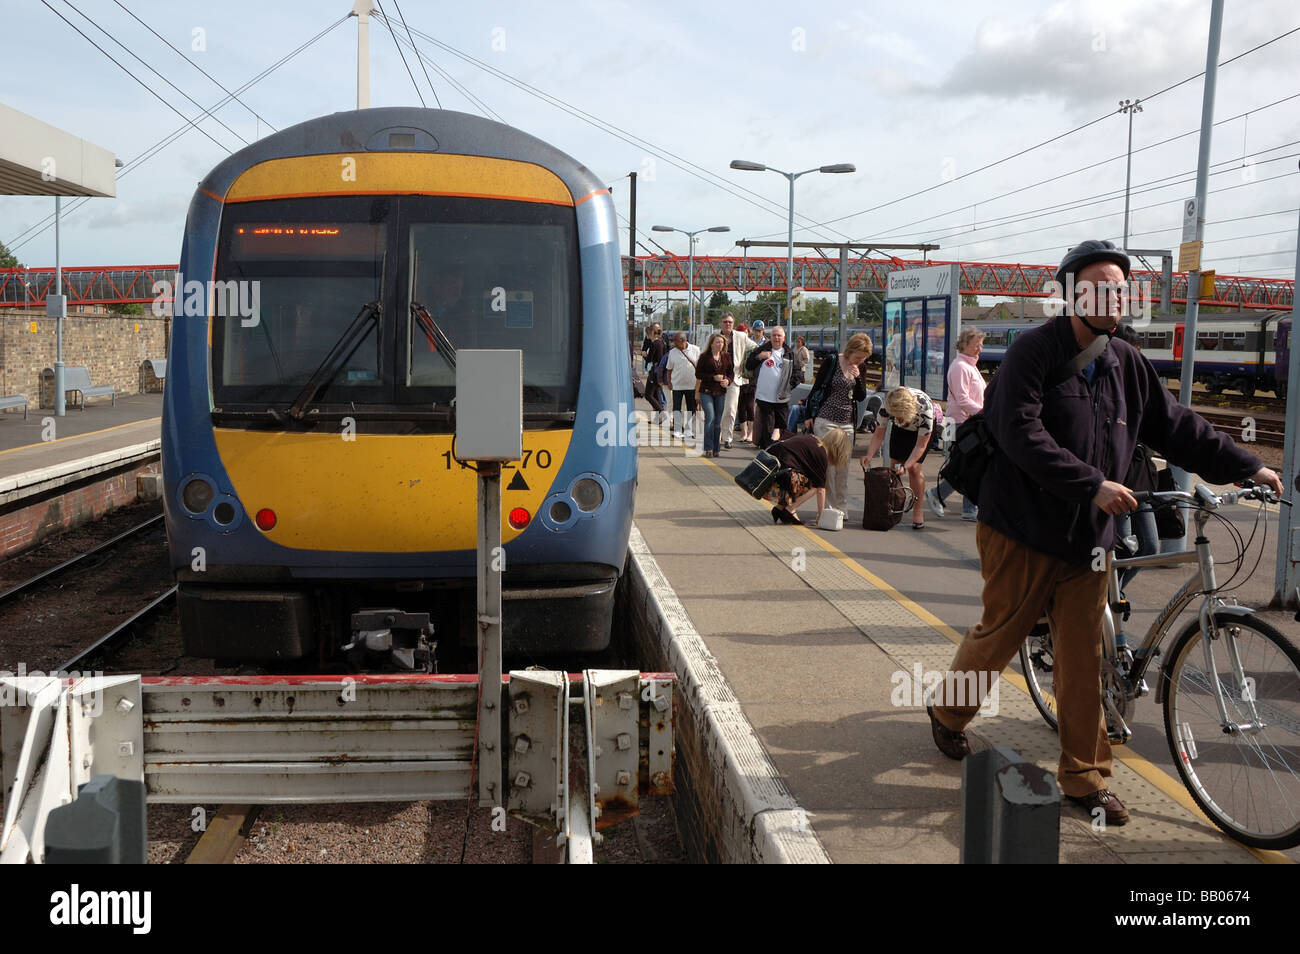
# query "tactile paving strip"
(1161, 829)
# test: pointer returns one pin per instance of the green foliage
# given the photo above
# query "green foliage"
(132, 308)
(971, 300)
(719, 299)
(8, 259)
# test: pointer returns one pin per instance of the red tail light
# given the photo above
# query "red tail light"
(519, 518)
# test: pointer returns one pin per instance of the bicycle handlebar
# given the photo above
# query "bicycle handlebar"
(1203, 498)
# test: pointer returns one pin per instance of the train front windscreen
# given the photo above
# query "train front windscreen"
(362, 303)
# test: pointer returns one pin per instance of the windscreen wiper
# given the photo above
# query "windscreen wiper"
(338, 356)
(437, 337)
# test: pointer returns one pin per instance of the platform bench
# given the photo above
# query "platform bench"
(78, 379)
(16, 400)
(153, 372)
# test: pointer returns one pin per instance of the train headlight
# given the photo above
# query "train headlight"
(561, 512)
(519, 518)
(588, 495)
(197, 495)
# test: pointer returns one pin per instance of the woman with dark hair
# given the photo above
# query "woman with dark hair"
(713, 373)
(807, 460)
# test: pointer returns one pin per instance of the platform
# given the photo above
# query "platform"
(817, 631)
(26, 446)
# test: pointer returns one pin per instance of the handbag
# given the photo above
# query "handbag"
(885, 499)
(1170, 524)
(759, 475)
(831, 519)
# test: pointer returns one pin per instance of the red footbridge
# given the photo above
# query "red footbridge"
(126, 284)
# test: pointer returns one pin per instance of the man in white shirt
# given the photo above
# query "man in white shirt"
(681, 372)
(738, 345)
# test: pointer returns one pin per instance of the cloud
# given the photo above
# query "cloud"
(169, 209)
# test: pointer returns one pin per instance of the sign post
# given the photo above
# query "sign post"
(489, 430)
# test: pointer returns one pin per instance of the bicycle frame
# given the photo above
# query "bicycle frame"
(1201, 583)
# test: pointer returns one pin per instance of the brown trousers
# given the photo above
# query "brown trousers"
(1020, 586)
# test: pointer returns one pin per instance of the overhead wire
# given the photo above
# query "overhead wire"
(1056, 138)
(402, 17)
(134, 77)
(43, 225)
(388, 23)
(473, 100)
(1064, 175)
(218, 84)
(631, 138)
(138, 59)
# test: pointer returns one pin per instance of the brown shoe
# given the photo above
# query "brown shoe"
(950, 743)
(1116, 813)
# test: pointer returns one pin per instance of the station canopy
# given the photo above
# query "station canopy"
(38, 159)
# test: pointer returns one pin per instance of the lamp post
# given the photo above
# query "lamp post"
(690, 300)
(747, 166)
(1130, 107)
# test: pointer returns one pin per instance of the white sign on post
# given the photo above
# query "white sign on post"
(1189, 220)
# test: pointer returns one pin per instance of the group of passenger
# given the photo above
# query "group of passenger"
(1059, 481)
(744, 377)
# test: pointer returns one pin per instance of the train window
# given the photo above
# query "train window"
(309, 266)
(1233, 341)
(1207, 340)
(493, 274)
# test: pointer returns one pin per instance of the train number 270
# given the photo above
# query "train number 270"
(543, 460)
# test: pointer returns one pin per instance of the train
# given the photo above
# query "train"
(1247, 352)
(315, 505)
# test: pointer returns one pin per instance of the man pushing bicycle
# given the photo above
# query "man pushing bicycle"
(1048, 499)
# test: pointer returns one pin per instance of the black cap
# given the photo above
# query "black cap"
(1085, 253)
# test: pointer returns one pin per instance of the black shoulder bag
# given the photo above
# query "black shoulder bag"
(973, 445)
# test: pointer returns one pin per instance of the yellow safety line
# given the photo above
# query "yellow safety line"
(1147, 770)
(73, 437)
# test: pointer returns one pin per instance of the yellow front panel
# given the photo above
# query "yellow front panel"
(386, 493)
(399, 173)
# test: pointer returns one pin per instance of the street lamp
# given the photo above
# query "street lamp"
(690, 319)
(747, 166)
(1130, 107)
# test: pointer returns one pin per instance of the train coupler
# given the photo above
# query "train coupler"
(404, 640)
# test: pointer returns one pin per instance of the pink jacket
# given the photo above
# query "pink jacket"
(965, 389)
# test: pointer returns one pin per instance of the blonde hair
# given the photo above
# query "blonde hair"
(858, 344)
(901, 405)
(968, 334)
(837, 447)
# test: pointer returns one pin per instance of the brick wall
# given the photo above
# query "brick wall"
(24, 527)
(111, 346)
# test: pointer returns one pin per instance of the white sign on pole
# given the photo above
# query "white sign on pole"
(1189, 220)
(921, 282)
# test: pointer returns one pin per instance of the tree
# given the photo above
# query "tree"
(719, 299)
(970, 300)
(868, 309)
(8, 259)
(767, 307)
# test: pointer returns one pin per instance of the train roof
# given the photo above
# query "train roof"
(429, 130)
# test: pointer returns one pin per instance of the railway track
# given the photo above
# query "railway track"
(1267, 431)
(48, 576)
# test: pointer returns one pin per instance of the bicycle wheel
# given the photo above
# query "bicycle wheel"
(1038, 664)
(1248, 781)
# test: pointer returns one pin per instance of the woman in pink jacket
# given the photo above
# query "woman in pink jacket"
(965, 397)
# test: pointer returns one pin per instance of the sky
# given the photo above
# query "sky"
(956, 115)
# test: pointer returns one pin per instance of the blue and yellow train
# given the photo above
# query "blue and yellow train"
(308, 458)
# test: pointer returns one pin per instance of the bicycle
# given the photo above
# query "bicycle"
(1234, 736)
